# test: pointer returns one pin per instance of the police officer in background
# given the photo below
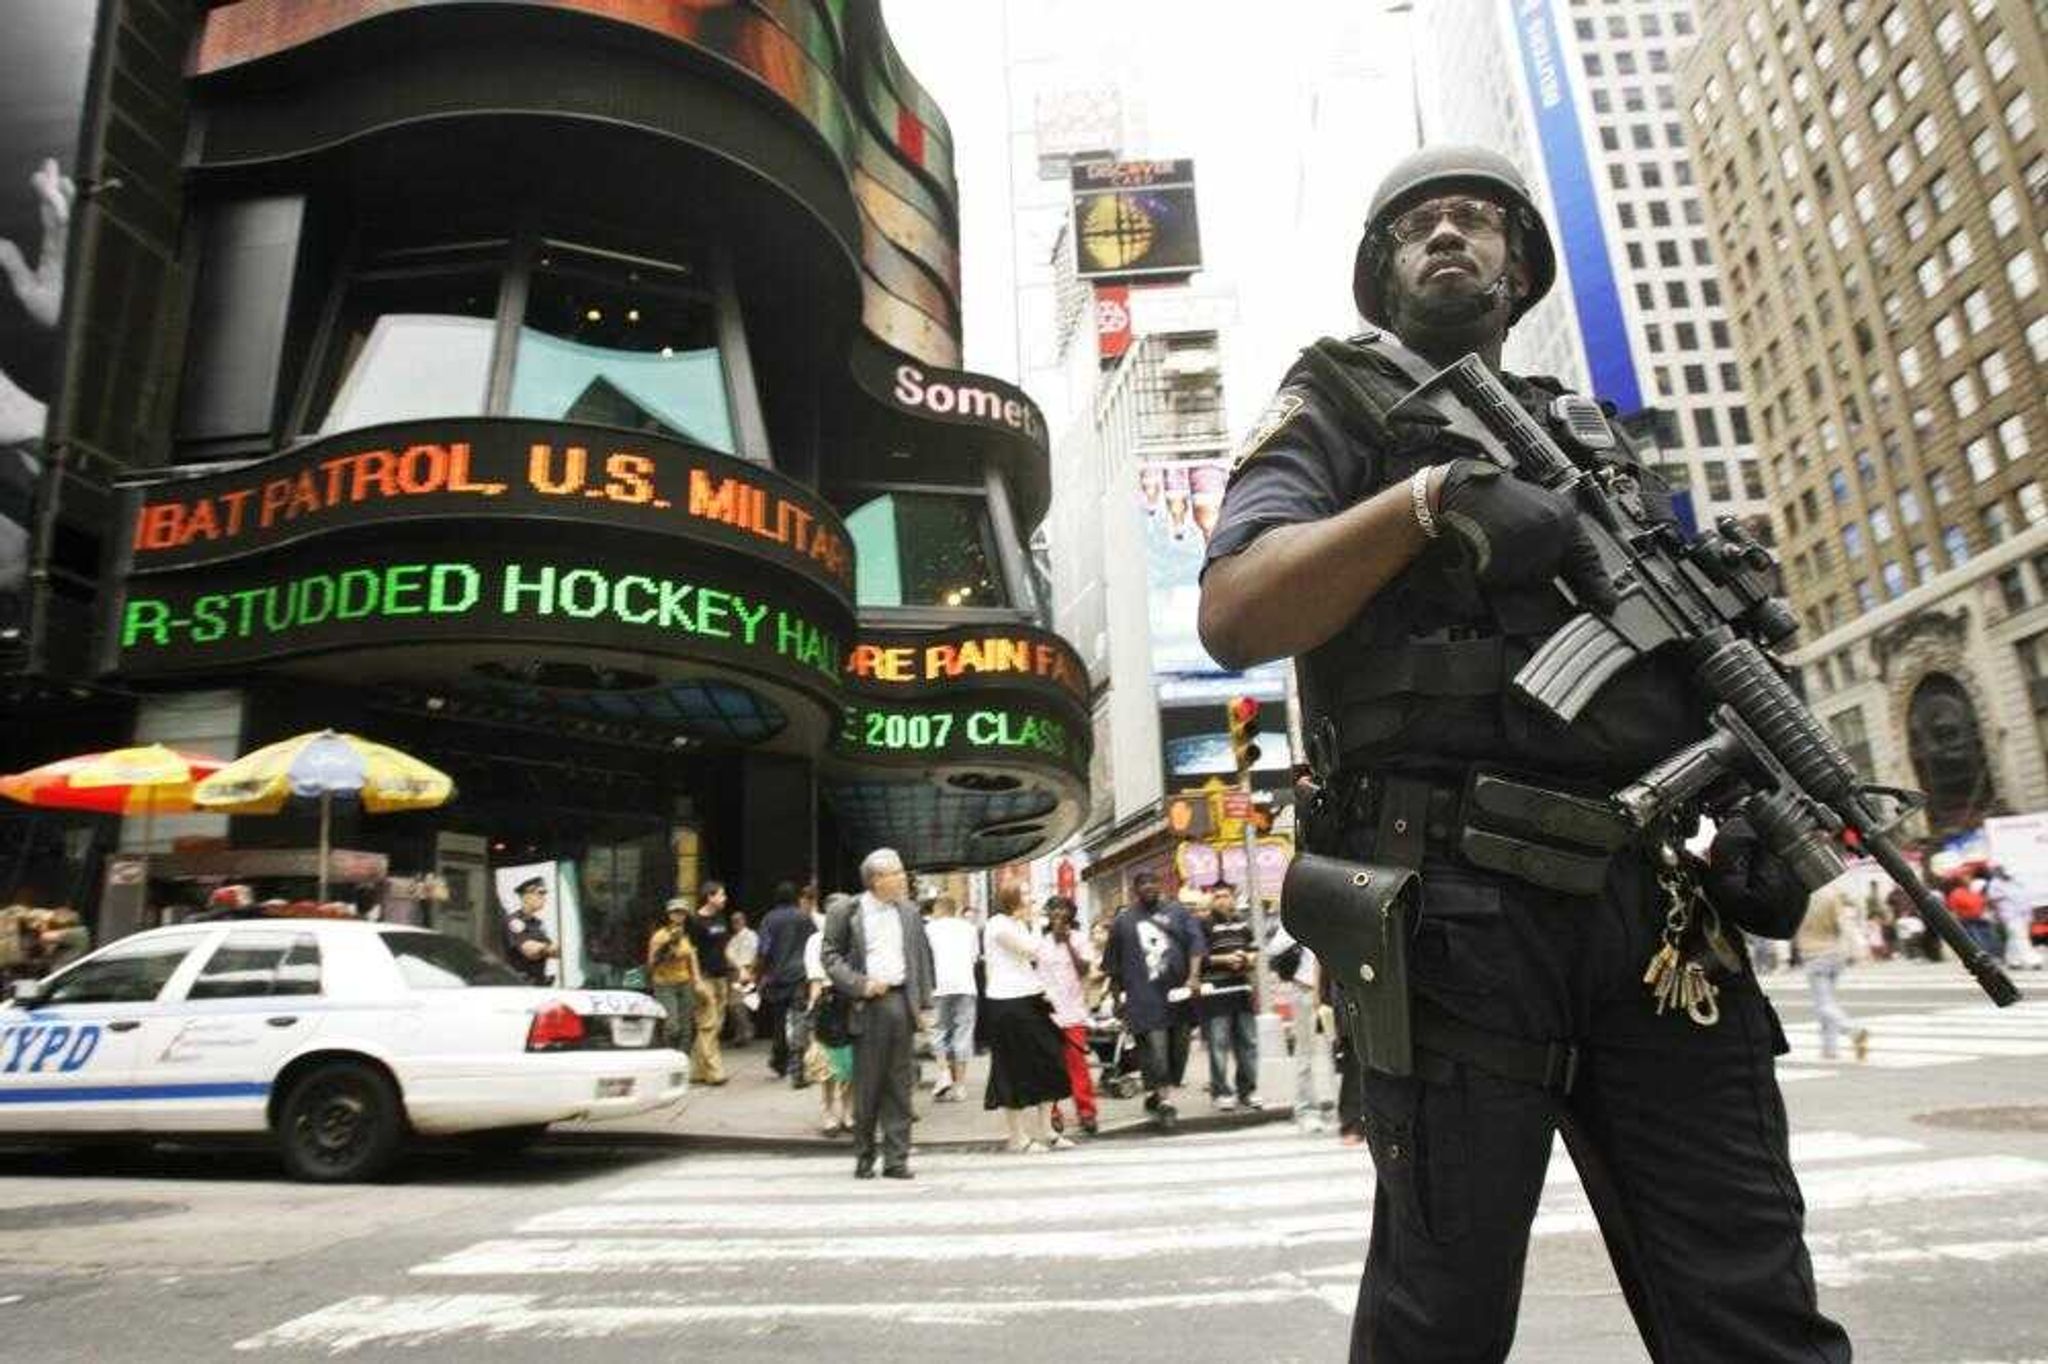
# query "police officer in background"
(527, 944)
(1411, 580)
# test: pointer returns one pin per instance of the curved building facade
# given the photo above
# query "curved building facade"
(567, 391)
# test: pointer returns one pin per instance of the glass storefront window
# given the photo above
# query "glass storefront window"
(925, 549)
(621, 343)
(411, 345)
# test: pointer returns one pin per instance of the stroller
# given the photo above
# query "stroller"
(1115, 1052)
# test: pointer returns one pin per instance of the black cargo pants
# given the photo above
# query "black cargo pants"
(1678, 1133)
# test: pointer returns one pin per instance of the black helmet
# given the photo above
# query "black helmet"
(1439, 170)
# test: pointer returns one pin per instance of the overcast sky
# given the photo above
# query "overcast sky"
(1238, 88)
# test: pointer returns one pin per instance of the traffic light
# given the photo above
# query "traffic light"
(1244, 733)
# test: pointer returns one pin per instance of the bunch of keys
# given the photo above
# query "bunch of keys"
(1673, 981)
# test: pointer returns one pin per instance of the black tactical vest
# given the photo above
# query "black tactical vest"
(1419, 681)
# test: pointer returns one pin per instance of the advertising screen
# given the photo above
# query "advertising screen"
(398, 594)
(1180, 501)
(1011, 693)
(1135, 218)
(492, 467)
(43, 63)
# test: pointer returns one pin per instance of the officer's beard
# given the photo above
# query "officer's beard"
(1446, 328)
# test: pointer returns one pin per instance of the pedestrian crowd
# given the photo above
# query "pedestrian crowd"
(842, 987)
(1853, 919)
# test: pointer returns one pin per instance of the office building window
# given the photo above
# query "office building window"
(2019, 116)
(1996, 378)
(1948, 32)
(2012, 437)
(1854, 738)
(1977, 310)
(2005, 212)
(1999, 56)
(1984, 151)
(1956, 545)
(2019, 272)
(1968, 93)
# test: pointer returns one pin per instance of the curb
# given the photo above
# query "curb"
(595, 1134)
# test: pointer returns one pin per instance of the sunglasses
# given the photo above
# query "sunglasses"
(1467, 215)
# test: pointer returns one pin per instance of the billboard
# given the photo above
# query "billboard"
(1135, 218)
(42, 95)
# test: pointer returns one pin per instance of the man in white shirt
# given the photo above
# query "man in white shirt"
(875, 953)
(1315, 1071)
(955, 949)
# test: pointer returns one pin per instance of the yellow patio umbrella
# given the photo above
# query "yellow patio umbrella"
(322, 765)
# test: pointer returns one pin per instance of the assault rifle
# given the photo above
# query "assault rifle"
(1711, 601)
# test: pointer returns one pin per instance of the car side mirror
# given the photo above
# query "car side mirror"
(29, 993)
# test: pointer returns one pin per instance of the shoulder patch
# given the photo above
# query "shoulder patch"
(1286, 403)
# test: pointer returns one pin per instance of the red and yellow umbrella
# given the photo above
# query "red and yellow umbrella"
(148, 780)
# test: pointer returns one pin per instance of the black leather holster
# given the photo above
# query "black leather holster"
(1357, 918)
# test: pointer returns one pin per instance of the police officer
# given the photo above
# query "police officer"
(1410, 580)
(527, 944)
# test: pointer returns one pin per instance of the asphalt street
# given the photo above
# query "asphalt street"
(1925, 1171)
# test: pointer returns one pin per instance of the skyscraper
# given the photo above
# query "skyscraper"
(1874, 179)
(1581, 95)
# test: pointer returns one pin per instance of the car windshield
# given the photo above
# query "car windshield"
(435, 961)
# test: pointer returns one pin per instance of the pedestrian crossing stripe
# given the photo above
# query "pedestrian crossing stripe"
(631, 1239)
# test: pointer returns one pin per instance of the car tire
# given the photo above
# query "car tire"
(499, 1143)
(341, 1122)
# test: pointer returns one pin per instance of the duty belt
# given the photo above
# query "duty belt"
(1495, 821)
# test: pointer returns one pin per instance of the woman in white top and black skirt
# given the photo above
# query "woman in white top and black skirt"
(1027, 1055)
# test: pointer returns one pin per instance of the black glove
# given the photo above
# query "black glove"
(1751, 886)
(1508, 530)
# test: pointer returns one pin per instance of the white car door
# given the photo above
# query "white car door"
(254, 1000)
(68, 1063)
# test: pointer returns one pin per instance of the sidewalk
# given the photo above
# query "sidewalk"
(756, 1110)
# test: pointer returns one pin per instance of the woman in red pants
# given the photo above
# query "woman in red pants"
(1064, 957)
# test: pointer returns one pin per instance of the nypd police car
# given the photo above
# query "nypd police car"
(339, 1038)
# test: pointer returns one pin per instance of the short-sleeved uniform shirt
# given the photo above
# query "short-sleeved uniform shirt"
(521, 929)
(1300, 465)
